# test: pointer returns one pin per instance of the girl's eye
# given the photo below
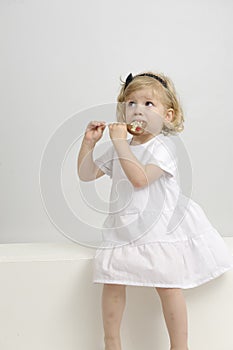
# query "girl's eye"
(149, 103)
(131, 103)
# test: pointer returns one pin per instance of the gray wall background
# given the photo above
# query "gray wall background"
(62, 57)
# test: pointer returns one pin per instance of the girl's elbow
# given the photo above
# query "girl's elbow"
(139, 183)
(84, 178)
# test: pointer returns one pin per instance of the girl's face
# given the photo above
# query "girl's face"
(143, 105)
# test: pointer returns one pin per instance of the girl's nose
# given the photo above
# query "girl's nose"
(138, 109)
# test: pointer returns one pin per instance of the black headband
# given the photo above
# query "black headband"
(130, 78)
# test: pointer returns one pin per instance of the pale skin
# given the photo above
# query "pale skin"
(143, 104)
(174, 311)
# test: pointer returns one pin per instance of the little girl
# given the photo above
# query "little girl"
(154, 236)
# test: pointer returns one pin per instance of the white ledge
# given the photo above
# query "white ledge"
(44, 252)
(48, 301)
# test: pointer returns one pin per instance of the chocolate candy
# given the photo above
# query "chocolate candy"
(136, 127)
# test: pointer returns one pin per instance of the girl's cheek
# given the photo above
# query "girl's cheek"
(128, 112)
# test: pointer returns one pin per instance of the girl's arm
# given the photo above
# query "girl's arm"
(87, 169)
(139, 175)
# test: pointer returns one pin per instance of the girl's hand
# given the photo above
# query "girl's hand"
(118, 131)
(94, 131)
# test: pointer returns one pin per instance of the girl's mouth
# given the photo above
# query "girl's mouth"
(137, 127)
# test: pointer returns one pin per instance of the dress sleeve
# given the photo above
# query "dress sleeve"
(164, 156)
(105, 161)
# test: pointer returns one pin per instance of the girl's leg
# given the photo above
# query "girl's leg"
(175, 315)
(113, 304)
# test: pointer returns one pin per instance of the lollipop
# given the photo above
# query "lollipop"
(136, 127)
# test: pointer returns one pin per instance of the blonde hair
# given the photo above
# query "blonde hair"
(166, 95)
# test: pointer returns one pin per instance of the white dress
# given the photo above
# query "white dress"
(155, 236)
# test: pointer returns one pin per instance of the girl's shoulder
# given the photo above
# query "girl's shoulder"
(163, 147)
(165, 140)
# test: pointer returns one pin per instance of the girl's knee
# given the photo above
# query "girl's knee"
(168, 291)
(115, 291)
(114, 288)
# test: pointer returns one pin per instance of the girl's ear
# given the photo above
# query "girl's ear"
(170, 115)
